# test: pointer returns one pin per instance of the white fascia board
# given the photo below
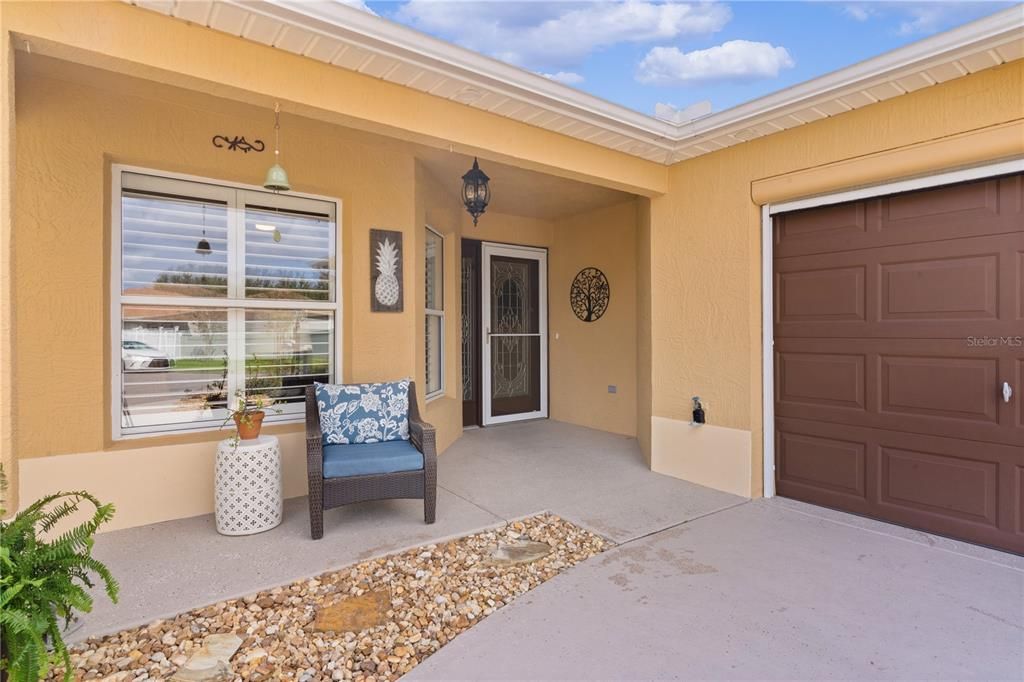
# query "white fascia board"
(384, 37)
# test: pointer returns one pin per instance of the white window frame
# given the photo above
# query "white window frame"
(434, 312)
(235, 194)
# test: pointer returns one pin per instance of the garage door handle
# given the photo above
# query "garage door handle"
(1007, 392)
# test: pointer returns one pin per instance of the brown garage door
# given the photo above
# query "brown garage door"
(897, 321)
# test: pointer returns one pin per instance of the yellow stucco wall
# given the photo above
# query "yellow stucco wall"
(438, 207)
(588, 357)
(8, 459)
(643, 325)
(705, 257)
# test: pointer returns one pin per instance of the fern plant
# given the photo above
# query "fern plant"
(44, 580)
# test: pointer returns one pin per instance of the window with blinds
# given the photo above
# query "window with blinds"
(434, 307)
(221, 292)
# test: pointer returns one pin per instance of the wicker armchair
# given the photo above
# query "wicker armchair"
(327, 493)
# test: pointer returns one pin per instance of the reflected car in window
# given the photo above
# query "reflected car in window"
(137, 355)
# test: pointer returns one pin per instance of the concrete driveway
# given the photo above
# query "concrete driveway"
(770, 589)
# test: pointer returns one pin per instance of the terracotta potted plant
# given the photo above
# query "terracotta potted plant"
(248, 414)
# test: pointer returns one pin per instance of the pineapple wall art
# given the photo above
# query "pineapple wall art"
(385, 271)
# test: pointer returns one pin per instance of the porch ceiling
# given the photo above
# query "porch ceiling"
(518, 191)
(351, 39)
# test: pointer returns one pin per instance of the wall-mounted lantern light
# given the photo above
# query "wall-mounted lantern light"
(476, 193)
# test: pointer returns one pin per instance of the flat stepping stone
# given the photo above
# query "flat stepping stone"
(353, 614)
(520, 552)
(212, 662)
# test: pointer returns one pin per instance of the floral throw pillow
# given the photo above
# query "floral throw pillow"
(363, 413)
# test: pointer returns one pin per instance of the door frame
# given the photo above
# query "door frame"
(512, 251)
(768, 211)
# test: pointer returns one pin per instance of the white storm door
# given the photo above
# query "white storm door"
(514, 281)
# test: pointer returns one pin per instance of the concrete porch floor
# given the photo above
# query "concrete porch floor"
(702, 584)
(597, 479)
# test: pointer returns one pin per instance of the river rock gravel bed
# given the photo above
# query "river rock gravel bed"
(436, 592)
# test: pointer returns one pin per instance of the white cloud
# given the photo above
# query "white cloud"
(735, 60)
(859, 12)
(567, 77)
(358, 4)
(921, 17)
(559, 35)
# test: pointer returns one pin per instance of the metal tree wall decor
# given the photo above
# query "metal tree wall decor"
(589, 294)
(385, 271)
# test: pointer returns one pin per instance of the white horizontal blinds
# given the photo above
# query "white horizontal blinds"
(221, 289)
(286, 350)
(288, 254)
(173, 366)
(173, 246)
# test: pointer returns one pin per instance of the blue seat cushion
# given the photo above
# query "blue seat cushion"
(371, 458)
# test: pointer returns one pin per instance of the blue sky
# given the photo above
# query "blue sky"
(639, 53)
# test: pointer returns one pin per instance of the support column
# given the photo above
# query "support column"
(8, 458)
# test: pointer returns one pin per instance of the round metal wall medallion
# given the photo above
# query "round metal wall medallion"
(589, 294)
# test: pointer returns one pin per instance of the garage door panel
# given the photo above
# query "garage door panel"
(943, 484)
(821, 295)
(897, 320)
(821, 379)
(954, 288)
(986, 207)
(1016, 404)
(944, 289)
(839, 466)
(1017, 292)
(843, 225)
(1015, 497)
(953, 388)
(969, 201)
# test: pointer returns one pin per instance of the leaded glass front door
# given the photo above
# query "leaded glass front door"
(515, 333)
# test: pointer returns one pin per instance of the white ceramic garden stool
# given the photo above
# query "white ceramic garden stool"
(247, 486)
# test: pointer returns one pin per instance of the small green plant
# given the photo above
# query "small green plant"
(246, 405)
(43, 582)
(249, 407)
(244, 411)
